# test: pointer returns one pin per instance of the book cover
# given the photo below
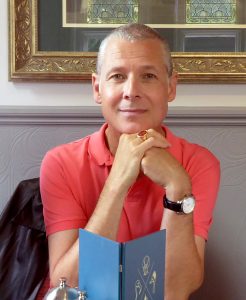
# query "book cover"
(134, 270)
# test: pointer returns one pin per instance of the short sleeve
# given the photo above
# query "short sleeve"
(61, 204)
(205, 176)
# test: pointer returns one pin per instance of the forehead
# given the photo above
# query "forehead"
(137, 52)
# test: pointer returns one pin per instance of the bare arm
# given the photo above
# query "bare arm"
(64, 246)
(184, 256)
(184, 251)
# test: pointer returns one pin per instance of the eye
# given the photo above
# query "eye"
(149, 76)
(117, 77)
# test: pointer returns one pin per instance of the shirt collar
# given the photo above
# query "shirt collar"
(100, 152)
(98, 148)
(176, 144)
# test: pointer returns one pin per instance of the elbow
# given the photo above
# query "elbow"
(54, 280)
(198, 280)
(187, 286)
(201, 279)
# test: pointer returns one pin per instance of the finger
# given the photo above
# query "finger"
(160, 143)
(153, 142)
(156, 134)
(152, 138)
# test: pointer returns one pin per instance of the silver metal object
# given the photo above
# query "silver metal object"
(63, 292)
(82, 295)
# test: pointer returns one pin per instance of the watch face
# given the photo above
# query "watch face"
(188, 205)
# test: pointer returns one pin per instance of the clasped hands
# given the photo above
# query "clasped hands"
(147, 152)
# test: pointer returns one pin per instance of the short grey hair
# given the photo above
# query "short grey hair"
(135, 32)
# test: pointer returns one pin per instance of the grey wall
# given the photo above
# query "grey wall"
(27, 133)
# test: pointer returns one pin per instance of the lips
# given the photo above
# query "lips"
(132, 110)
(132, 113)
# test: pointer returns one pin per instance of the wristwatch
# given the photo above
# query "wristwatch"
(184, 206)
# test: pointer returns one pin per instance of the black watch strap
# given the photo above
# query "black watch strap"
(174, 206)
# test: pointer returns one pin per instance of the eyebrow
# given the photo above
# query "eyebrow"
(152, 68)
(123, 69)
(115, 69)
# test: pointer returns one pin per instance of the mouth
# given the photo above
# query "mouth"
(132, 111)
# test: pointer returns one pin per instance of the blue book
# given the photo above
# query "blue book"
(134, 270)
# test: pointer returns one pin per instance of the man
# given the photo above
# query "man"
(114, 183)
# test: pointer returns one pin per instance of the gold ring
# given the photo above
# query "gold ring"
(143, 135)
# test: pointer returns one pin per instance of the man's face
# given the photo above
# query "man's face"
(133, 86)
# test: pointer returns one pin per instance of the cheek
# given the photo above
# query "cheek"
(110, 96)
(161, 101)
(161, 110)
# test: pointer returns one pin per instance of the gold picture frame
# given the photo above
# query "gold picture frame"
(26, 62)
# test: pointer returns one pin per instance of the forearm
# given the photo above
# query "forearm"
(106, 217)
(104, 221)
(184, 266)
(64, 257)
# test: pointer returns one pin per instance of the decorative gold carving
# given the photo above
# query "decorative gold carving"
(26, 62)
(60, 65)
(23, 33)
(211, 65)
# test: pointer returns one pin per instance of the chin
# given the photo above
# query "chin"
(134, 128)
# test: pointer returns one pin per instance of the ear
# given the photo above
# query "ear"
(95, 87)
(172, 86)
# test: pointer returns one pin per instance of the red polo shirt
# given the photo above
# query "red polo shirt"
(73, 175)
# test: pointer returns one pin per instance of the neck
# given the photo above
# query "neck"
(112, 139)
(113, 136)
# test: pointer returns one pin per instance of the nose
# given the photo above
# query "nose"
(131, 89)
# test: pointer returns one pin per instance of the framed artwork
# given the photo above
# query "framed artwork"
(59, 39)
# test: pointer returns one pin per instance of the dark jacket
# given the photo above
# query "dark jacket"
(23, 244)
